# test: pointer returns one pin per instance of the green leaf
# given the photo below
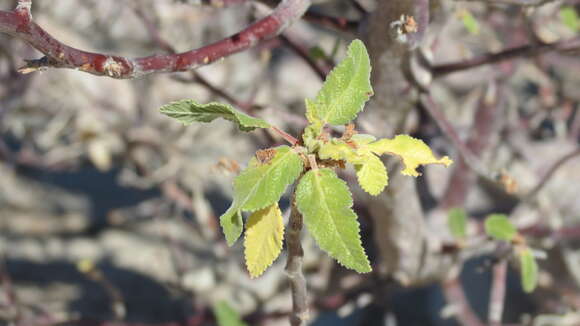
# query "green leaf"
(498, 226)
(345, 90)
(370, 171)
(325, 202)
(569, 17)
(457, 221)
(263, 239)
(232, 224)
(529, 270)
(413, 152)
(469, 22)
(372, 175)
(226, 315)
(189, 111)
(260, 185)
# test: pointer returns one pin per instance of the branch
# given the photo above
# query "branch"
(544, 180)
(455, 295)
(299, 314)
(443, 123)
(497, 296)
(525, 3)
(521, 51)
(19, 23)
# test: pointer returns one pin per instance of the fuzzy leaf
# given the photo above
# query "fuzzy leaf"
(345, 90)
(413, 152)
(499, 227)
(263, 239)
(339, 150)
(225, 315)
(457, 222)
(372, 175)
(189, 111)
(260, 185)
(529, 270)
(325, 202)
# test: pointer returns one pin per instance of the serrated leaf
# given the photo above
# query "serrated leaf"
(339, 150)
(499, 227)
(263, 239)
(189, 111)
(412, 151)
(569, 17)
(345, 90)
(372, 175)
(225, 315)
(457, 222)
(261, 184)
(528, 270)
(325, 202)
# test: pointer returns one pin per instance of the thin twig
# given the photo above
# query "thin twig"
(496, 299)
(443, 123)
(19, 23)
(297, 280)
(321, 72)
(513, 53)
(525, 3)
(481, 132)
(551, 172)
(456, 296)
(356, 5)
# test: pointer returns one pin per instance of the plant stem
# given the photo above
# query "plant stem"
(299, 314)
(289, 138)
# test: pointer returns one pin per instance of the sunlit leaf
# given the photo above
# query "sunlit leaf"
(528, 269)
(345, 90)
(226, 315)
(412, 151)
(263, 239)
(189, 111)
(372, 175)
(457, 222)
(498, 226)
(261, 184)
(339, 150)
(325, 202)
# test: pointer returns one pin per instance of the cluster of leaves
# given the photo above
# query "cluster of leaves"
(323, 199)
(499, 227)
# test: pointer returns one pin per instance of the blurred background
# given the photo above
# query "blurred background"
(109, 210)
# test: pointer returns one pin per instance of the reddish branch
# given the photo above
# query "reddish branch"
(513, 53)
(454, 294)
(497, 296)
(19, 23)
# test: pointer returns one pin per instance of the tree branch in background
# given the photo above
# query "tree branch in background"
(544, 180)
(513, 53)
(19, 23)
(455, 295)
(497, 296)
(294, 267)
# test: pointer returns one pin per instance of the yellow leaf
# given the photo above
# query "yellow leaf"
(413, 152)
(372, 175)
(263, 239)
